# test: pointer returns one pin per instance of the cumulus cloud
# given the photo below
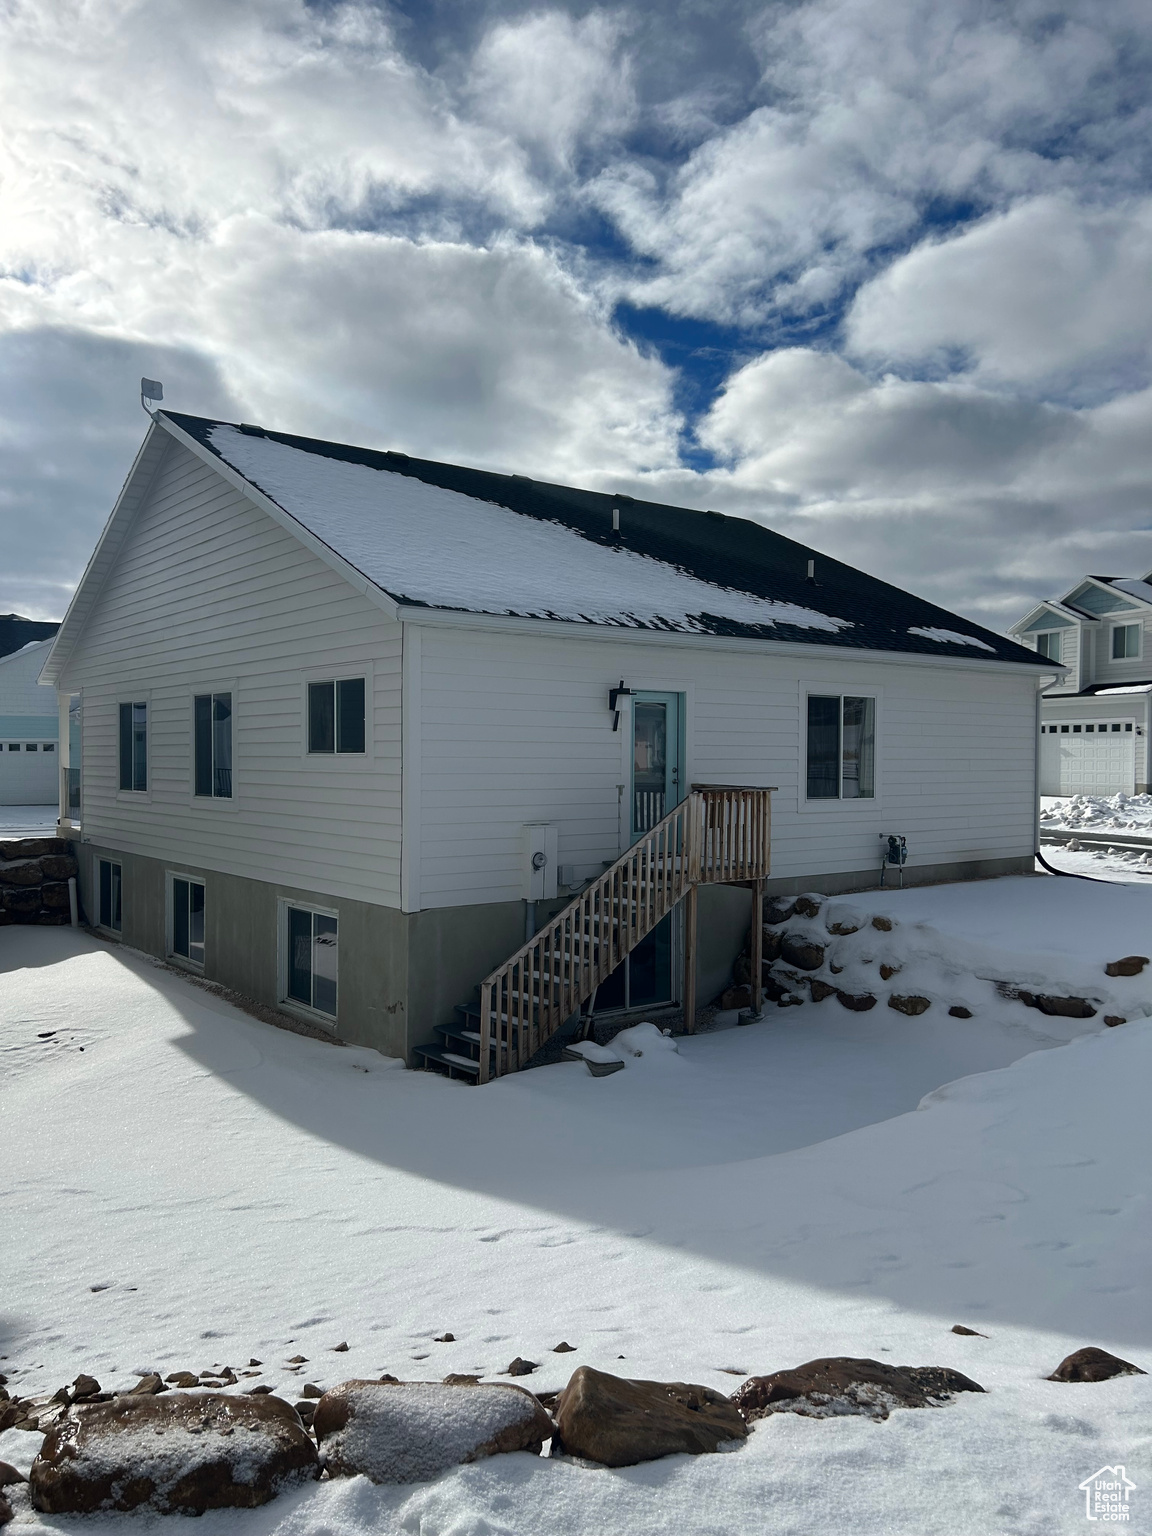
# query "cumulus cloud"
(414, 229)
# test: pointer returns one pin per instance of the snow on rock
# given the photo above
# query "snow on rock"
(423, 544)
(184, 1452)
(949, 637)
(409, 1432)
(628, 1046)
(1099, 813)
(824, 1389)
(619, 1423)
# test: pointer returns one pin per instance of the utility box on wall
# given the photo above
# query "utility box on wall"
(539, 861)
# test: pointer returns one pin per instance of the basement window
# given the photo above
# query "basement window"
(187, 907)
(111, 881)
(336, 716)
(311, 958)
(841, 758)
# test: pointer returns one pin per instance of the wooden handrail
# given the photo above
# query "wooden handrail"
(719, 834)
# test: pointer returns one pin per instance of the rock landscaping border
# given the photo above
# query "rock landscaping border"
(34, 875)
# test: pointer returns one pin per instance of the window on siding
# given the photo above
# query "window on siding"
(312, 959)
(188, 919)
(110, 885)
(1048, 644)
(1125, 641)
(336, 716)
(134, 746)
(212, 713)
(31, 746)
(49, 746)
(13, 746)
(841, 747)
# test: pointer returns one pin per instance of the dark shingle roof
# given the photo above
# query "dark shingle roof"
(16, 633)
(727, 552)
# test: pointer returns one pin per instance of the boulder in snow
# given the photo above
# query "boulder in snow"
(1131, 965)
(1093, 1364)
(820, 989)
(736, 997)
(414, 1430)
(884, 924)
(176, 1453)
(833, 1387)
(779, 909)
(801, 952)
(809, 905)
(26, 872)
(858, 1002)
(619, 1423)
(6, 1511)
(843, 920)
(958, 1011)
(912, 1005)
(59, 866)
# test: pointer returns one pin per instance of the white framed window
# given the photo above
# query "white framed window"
(1048, 644)
(110, 896)
(186, 918)
(337, 717)
(212, 722)
(840, 756)
(1126, 641)
(133, 739)
(309, 958)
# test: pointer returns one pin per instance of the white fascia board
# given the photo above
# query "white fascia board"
(503, 623)
(103, 557)
(354, 577)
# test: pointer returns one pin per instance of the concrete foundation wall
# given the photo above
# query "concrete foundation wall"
(402, 974)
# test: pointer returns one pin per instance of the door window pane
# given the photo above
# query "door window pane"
(321, 717)
(350, 715)
(222, 745)
(649, 764)
(202, 716)
(859, 769)
(300, 955)
(823, 747)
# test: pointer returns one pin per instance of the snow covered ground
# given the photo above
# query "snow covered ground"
(185, 1186)
(1098, 813)
(28, 820)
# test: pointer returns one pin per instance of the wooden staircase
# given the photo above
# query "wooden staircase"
(718, 835)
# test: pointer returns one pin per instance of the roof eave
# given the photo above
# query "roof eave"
(508, 623)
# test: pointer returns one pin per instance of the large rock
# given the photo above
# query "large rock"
(1058, 1007)
(414, 1430)
(59, 866)
(26, 872)
(31, 847)
(778, 909)
(911, 1004)
(619, 1423)
(1131, 965)
(809, 905)
(21, 899)
(178, 1453)
(770, 943)
(858, 1002)
(801, 952)
(1093, 1364)
(830, 1388)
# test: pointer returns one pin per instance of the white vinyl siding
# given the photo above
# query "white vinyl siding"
(208, 586)
(517, 729)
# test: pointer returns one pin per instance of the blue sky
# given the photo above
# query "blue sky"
(873, 273)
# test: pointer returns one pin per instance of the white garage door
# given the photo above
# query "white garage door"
(1095, 757)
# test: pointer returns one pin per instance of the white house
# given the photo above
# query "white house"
(29, 760)
(1095, 737)
(350, 719)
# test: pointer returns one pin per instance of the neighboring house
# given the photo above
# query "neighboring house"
(1094, 723)
(29, 760)
(350, 718)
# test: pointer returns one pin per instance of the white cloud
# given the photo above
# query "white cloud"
(1051, 295)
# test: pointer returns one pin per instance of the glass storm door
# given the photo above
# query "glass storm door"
(656, 774)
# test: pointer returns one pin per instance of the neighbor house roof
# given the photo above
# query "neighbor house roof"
(439, 536)
(16, 632)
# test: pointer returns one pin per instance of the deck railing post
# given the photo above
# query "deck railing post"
(689, 987)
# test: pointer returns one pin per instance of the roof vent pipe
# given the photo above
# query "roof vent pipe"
(811, 570)
(615, 519)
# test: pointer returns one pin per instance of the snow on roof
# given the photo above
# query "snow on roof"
(1134, 588)
(1131, 688)
(948, 636)
(424, 544)
(32, 645)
